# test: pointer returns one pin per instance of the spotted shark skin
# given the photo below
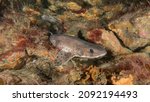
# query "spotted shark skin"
(70, 47)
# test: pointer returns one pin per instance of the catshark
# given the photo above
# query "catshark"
(70, 47)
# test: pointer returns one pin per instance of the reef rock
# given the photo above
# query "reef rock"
(133, 28)
(108, 40)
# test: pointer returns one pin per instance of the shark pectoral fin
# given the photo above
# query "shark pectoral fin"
(62, 58)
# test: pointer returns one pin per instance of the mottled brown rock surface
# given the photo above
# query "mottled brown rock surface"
(133, 29)
(107, 39)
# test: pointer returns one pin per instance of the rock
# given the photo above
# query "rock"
(128, 69)
(93, 2)
(142, 24)
(42, 64)
(112, 11)
(130, 31)
(146, 49)
(92, 14)
(13, 60)
(92, 75)
(73, 6)
(35, 71)
(8, 78)
(73, 76)
(22, 77)
(137, 64)
(124, 80)
(108, 40)
(19, 43)
(12, 51)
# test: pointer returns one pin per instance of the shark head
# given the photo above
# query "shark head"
(92, 51)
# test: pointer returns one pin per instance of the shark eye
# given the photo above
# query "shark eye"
(91, 51)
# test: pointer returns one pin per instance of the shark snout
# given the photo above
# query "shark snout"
(103, 53)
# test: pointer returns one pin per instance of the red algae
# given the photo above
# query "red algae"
(95, 35)
(138, 66)
(5, 55)
(21, 45)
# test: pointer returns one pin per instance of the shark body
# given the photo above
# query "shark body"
(70, 47)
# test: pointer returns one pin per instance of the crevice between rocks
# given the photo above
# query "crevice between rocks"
(123, 45)
(141, 48)
(119, 39)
